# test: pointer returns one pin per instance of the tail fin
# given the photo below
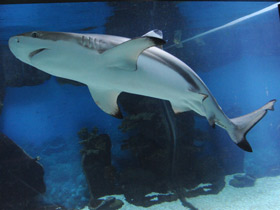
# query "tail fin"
(245, 123)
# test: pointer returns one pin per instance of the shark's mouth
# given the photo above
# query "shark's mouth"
(36, 52)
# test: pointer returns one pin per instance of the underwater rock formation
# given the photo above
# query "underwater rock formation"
(21, 177)
(110, 203)
(207, 171)
(149, 142)
(244, 180)
(152, 147)
(96, 163)
(16, 73)
(150, 166)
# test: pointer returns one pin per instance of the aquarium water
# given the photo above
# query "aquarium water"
(60, 149)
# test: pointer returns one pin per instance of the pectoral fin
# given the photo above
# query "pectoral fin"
(125, 55)
(106, 100)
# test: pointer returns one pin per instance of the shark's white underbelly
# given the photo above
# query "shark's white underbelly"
(153, 79)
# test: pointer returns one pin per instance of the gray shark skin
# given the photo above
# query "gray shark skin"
(109, 65)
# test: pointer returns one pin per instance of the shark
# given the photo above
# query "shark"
(109, 65)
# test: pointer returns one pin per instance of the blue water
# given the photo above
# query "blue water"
(51, 110)
(249, 83)
(40, 114)
(34, 116)
(72, 17)
(203, 16)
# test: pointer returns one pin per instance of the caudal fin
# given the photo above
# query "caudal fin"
(245, 123)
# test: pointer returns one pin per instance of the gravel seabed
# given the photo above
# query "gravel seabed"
(265, 195)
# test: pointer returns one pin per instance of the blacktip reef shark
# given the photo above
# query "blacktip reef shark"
(109, 65)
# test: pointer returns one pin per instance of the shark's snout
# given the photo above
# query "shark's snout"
(14, 39)
(17, 46)
(13, 43)
(21, 48)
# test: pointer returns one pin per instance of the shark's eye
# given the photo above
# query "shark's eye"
(34, 34)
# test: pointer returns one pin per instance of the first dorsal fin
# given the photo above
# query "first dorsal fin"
(154, 33)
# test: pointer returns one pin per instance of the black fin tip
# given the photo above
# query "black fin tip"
(118, 115)
(244, 144)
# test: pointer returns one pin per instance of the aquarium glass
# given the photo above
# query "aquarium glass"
(146, 118)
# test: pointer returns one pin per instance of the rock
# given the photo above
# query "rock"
(241, 181)
(96, 163)
(109, 203)
(117, 204)
(208, 171)
(21, 178)
(84, 134)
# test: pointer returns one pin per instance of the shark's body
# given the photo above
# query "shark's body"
(109, 65)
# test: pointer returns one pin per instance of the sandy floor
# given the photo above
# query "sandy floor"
(265, 195)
